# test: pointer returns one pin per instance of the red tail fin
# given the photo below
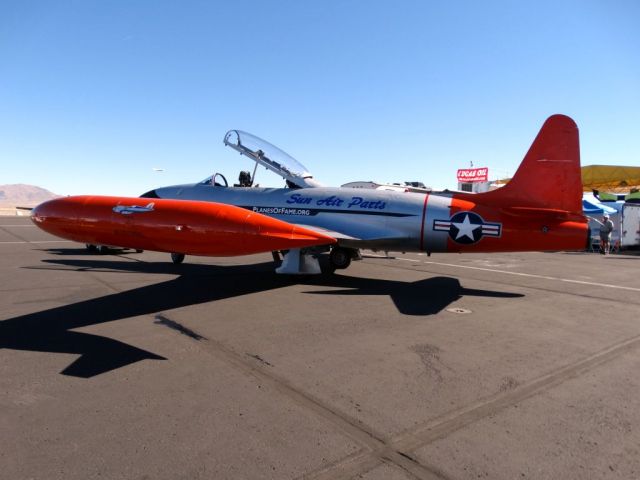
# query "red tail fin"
(549, 177)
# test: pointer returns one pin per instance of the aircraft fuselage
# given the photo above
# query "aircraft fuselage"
(398, 221)
(366, 219)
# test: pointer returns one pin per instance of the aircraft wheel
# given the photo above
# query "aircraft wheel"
(102, 249)
(177, 258)
(138, 250)
(91, 248)
(328, 269)
(340, 258)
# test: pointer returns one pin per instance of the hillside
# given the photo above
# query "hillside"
(23, 195)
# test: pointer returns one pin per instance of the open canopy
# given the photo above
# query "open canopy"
(271, 157)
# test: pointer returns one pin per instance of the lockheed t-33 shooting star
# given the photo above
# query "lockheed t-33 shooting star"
(540, 209)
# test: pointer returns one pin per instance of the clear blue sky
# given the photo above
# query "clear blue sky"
(94, 94)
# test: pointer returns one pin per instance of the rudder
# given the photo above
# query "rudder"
(549, 176)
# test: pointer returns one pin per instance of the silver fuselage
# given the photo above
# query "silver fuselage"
(398, 221)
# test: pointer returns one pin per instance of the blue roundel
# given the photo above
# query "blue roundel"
(466, 227)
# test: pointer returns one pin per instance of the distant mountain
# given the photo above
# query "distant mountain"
(24, 195)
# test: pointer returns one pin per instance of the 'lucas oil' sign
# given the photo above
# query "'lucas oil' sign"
(466, 175)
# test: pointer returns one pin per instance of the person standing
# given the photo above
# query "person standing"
(606, 227)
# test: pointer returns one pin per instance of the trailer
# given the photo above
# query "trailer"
(630, 225)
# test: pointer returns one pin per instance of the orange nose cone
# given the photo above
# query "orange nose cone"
(58, 216)
(54, 215)
(55, 209)
(38, 213)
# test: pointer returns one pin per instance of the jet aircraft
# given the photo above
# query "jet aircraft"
(540, 209)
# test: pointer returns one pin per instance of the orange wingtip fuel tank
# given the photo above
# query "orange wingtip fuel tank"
(184, 226)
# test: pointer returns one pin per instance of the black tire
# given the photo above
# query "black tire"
(177, 258)
(340, 258)
(91, 248)
(103, 250)
(139, 250)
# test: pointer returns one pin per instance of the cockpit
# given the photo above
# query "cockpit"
(269, 156)
(217, 180)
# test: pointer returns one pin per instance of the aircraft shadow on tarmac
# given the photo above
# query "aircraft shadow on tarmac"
(50, 330)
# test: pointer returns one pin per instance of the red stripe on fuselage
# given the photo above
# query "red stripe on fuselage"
(424, 212)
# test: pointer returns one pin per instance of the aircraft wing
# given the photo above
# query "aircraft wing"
(369, 240)
(325, 231)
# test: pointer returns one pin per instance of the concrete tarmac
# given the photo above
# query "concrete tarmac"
(498, 366)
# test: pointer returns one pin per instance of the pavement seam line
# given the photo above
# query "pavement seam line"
(411, 465)
(438, 428)
(374, 445)
(346, 468)
(519, 274)
(528, 287)
(13, 234)
(378, 450)
(428, 433)
(370, 439)
(102, 282)
(35, 241)
(532, 275)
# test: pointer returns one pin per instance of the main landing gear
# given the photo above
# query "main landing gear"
(340, 258)
(305, 261)
(177, 258)
(104, 249)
